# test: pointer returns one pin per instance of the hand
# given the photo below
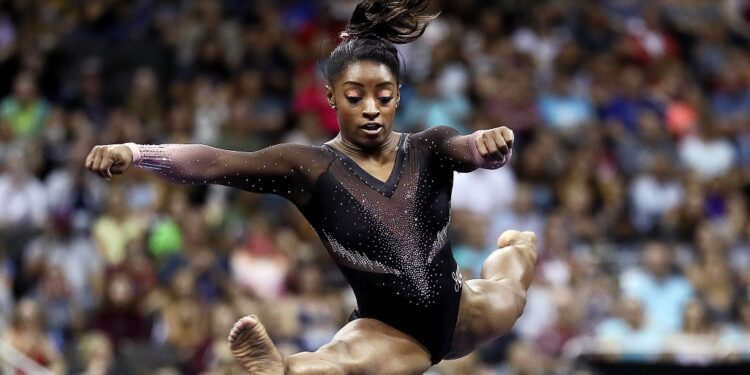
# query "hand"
(495, 144)
(109, 159)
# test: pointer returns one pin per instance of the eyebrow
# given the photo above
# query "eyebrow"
(384, 83)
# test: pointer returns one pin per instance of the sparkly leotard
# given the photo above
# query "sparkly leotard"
(388, 238)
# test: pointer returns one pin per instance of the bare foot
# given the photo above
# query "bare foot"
(253, 349)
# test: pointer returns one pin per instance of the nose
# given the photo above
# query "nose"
(371, 111)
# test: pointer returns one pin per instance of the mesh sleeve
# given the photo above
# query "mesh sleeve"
(458, 151)
(288, 170)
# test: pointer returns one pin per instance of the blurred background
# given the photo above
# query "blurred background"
(632, 165)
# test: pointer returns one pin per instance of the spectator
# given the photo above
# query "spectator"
(630, 336)
(24, 210)
(734, 338)
(96, 355)
(112, 231)
(563, 110)
(662, 292)
(473, 249)
(522, 214)
(631, 102)
(120, 316)
(707, 141)
(482, 193)
(259, 265)
(73, 254)
(696, 341)
(26, 334)
(653, 194)
(24, 112)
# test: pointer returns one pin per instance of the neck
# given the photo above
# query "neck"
(382, 151)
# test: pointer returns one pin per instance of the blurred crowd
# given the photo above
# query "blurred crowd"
(632, 165)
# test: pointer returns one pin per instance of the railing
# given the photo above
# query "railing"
(12, 360)
(589, 352)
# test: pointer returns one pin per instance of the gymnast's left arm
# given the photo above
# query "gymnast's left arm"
(486, 149)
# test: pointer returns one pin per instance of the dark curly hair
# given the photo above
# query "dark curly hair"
(374, 30)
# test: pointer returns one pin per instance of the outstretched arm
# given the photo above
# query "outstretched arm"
(280, 169)
(487, 149)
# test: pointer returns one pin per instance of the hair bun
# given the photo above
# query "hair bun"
(397, 21)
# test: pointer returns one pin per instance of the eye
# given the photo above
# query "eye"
(385, 99)
(353, 99)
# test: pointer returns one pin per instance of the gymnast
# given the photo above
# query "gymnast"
(380, 202)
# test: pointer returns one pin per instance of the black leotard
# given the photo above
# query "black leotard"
(388, 238)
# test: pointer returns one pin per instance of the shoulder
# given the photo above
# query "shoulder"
(297, 153)
(437, 132)
(308, 160)
(295, 147)
(434, 135)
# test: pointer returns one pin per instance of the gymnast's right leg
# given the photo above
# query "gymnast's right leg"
(491, 304)
(363, 346)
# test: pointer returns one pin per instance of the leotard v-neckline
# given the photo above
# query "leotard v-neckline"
(385, 188)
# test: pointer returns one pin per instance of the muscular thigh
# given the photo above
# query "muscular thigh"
(487, 311)
(371, 347)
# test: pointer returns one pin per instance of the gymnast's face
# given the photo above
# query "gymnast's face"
(365, 96)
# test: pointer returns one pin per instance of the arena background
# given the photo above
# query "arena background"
(632, 165)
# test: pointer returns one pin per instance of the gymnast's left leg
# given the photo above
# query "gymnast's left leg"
(490, 305)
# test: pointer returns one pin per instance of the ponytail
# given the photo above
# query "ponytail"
(374, 29)
(398, 22)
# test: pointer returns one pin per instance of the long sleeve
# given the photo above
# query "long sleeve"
(458, 151)
(288, 170)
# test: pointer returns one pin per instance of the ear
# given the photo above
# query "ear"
(330, 95)
(398, 94)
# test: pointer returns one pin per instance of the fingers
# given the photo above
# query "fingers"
(482, 147)
(99, 161)
(495, 143)
(507, 135)
(492, 146)
(106, 163)
(500, 145)
(90, 157)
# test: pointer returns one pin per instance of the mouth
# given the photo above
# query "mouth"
(372, 128)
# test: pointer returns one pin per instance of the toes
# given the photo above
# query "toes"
(506, 238)
(511, 237)
(250, 319)
(242, 329)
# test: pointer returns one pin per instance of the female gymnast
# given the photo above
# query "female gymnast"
(380, 203)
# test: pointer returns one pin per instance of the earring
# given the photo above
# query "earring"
(333, 106)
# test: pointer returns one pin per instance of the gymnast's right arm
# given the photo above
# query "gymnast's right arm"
(282, 169)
